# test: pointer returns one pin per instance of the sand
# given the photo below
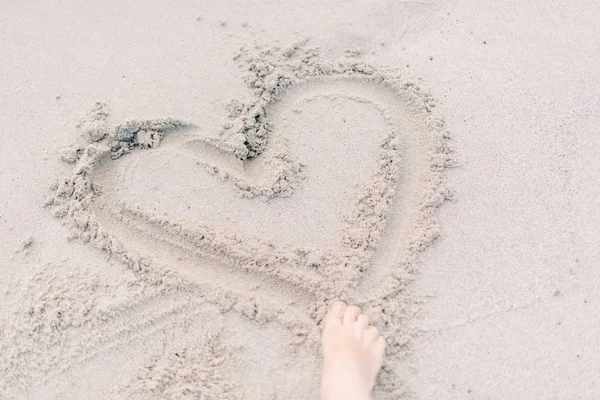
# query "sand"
(186, 190)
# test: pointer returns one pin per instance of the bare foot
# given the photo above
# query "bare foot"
(353, 353)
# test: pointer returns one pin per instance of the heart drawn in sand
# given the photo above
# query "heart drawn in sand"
(268, 161)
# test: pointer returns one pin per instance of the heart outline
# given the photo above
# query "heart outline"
(73, 196)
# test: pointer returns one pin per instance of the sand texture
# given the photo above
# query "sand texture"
(186, 189)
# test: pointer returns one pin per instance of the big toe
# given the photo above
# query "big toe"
(336, 312)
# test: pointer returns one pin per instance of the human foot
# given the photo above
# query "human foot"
(353, 353)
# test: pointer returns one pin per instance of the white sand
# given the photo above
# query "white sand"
(185, 189)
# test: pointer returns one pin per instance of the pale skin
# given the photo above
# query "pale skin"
(352, 354)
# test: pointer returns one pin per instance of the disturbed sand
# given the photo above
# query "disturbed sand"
(186, 194)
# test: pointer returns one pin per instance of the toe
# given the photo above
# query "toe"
(371, 335)
(335, 313)
(380, 344)
(350, 314)
(362, 322)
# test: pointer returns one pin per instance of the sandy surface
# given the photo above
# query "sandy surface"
(183, 191)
